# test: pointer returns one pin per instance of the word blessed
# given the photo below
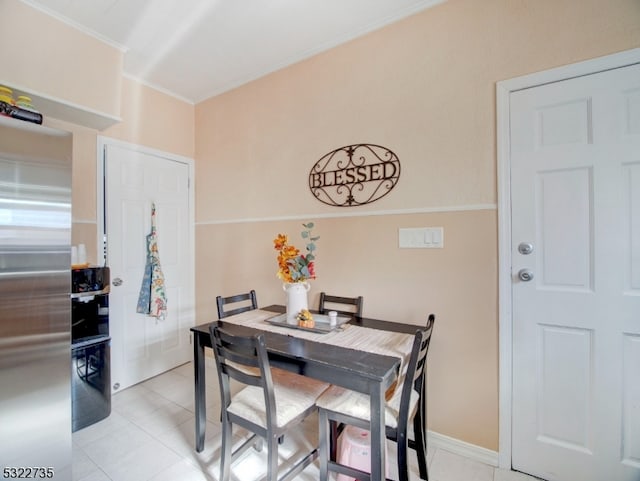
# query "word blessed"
(365, 173)
(354, 175)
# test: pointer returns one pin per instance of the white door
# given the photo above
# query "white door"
(575, 191)
(144, 346)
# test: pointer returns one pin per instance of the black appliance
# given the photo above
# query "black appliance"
(90, 346)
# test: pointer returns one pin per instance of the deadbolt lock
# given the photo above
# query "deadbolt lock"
(525, 248)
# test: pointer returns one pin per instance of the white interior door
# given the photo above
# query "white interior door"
(144, 346)
(575, 193)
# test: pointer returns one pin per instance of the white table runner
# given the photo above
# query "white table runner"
(377, 341)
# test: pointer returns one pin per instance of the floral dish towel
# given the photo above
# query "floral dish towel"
(153, 298)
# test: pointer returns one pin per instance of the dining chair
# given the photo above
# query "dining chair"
(353, 305)
(407, 403)
(248, 301)
(271, 402)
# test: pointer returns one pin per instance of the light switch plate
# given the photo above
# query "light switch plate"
(421, 238)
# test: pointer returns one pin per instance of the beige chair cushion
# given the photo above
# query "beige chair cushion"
(293, 393)
(358, 405)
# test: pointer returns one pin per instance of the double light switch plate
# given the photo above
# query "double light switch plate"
(421, 237)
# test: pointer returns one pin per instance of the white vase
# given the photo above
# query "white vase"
(296, 299)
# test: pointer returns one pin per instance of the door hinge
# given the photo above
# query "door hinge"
(104, 249)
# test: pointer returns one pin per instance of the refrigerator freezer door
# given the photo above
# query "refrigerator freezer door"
(35, 308)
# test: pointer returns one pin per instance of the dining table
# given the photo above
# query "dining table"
(360, 365)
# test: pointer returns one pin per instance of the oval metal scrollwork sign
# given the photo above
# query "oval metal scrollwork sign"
(354, 175)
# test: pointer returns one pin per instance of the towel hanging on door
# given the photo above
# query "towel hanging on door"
(152, 299)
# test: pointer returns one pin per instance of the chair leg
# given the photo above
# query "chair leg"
(420, 446)
(272, 456)
(323, 442)
(227, 447)
(402, 444)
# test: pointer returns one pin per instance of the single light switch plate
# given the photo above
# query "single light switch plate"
(421, 238)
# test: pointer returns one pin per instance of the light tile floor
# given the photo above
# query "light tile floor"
(149, 436)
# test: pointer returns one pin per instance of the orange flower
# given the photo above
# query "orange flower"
(293, 266)
(280, 241)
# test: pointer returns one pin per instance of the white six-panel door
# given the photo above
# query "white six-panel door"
(144, 346)
(575, 199)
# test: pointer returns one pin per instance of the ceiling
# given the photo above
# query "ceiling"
(195, 49)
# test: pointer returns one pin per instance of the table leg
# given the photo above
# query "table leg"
(378, 433)
(200, 396)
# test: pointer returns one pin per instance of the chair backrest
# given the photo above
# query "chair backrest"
(328, 302)
(248, 302)
(245, 360)
(414, 376)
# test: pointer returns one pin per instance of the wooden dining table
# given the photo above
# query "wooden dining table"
(359, 370)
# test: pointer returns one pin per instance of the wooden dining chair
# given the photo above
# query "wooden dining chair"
(350, 305)
(271, 402)
(408, 402)
(242, 303)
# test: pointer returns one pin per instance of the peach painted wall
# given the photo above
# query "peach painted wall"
(154, 119)
(425, 88)
(42, 55)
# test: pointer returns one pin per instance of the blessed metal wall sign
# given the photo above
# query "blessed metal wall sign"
(354, 175)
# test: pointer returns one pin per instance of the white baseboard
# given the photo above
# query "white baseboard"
(462, 448)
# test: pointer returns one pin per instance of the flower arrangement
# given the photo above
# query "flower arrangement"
(292, 265)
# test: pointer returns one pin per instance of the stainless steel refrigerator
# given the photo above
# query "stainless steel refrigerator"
(35, 308)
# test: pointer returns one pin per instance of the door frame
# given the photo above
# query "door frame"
(505, 322)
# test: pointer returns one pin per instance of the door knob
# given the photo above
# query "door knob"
(525, 275)
(525, 248)
(117, 282)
